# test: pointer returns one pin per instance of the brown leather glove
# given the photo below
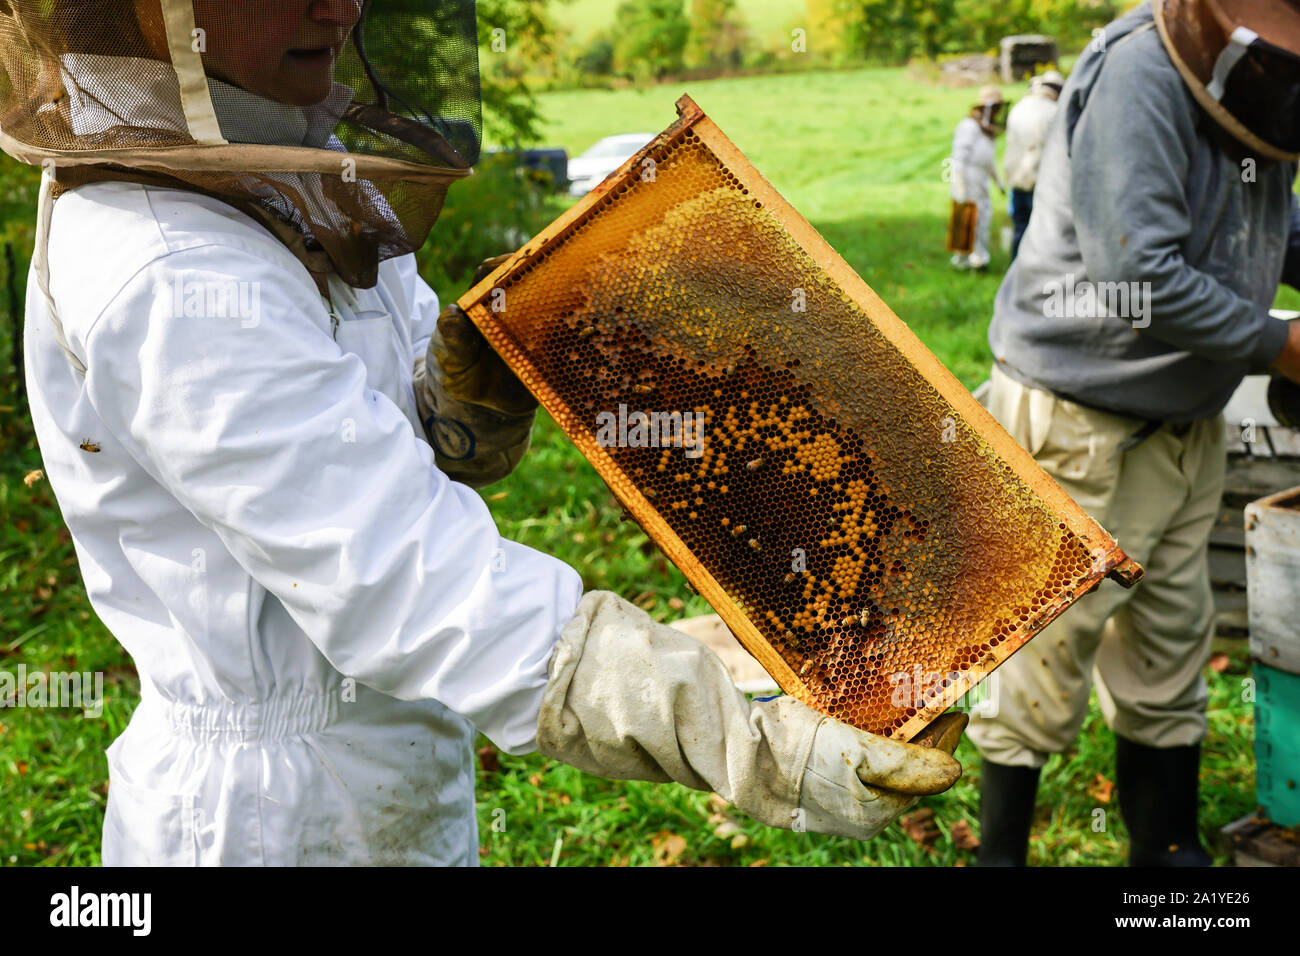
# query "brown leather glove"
(477, 414)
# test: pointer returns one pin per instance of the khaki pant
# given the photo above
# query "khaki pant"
(1144, 647)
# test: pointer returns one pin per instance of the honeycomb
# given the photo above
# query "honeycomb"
(861, 524)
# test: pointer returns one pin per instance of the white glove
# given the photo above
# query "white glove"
(632, 699)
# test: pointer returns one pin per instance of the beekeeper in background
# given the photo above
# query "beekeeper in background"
(1027, 127)
(973, 164)
(1163, 220)
(261, 432)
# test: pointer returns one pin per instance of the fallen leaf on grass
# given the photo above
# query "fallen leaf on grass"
(32, 477)
(725, 826)
(1101, 789)
(668, 847)
(1219, 662)
(921, 828)
(962, 836)
(676, 603)
(499, 496)
(488, 759)
(22, 768)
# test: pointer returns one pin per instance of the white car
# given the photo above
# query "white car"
(587, 171)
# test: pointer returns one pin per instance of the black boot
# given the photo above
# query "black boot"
(1158, 790)
(1006, 811)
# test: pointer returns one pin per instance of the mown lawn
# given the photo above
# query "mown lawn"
(860, 154)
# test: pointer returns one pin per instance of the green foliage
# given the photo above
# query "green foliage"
(597, 58)
(718, 38)
(897, 30)
(516, 37)
(496, 210)
(650, 38)
(983, 25)
(894, 31)
(501, 206)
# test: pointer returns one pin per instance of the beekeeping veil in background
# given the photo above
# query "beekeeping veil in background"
(1241, 60)
(339, 124)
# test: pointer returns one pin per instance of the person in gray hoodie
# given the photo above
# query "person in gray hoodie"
(1164, 221)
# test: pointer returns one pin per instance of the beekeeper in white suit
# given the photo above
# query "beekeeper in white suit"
(252, 415)
(1028, 124)
(973, 164)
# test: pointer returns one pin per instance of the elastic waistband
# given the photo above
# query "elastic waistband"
(269, 719)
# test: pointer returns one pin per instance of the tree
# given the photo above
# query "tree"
(897, 30)
(650, 37)
(515, 37)
(718, 37)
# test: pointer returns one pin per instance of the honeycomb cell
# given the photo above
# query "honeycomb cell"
(862, 526)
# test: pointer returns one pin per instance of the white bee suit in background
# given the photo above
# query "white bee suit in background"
(263, 518)
(974, 164)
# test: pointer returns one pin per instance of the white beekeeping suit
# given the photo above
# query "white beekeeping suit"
(974, 165)
(1028, 124)
(244, 394)
(318, 635)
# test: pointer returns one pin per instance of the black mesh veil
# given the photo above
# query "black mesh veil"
(420, 61)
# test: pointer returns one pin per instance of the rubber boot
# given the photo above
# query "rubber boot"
(1006, 812)
(1158, 791)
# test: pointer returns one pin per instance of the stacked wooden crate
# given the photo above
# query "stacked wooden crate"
(1272, 538)
(1263, 458)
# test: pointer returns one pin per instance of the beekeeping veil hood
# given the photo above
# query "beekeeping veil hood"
(339, 124)
(1241, 59)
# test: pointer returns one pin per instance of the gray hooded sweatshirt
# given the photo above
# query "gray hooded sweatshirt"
(1144, 282)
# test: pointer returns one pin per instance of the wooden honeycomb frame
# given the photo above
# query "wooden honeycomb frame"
(1094, 553)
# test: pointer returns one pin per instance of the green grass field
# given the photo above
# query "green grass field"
(860, 155)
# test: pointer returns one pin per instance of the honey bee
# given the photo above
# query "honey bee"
(90, 446)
